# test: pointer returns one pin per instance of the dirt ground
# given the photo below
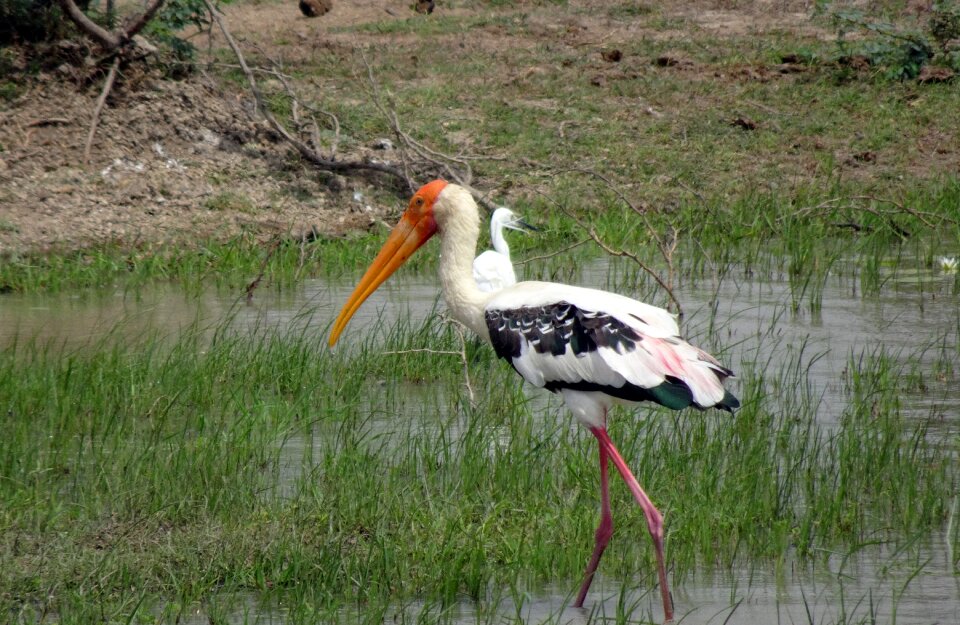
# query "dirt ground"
(178, 160)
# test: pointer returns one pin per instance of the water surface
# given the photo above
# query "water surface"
(742, 319)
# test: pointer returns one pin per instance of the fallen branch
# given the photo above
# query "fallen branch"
(462, 353)
(95, 119)
(305, 150)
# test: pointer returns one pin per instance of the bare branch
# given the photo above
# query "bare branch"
(459, 327)
(263, 270)
(902, 207)
(138, 24)
(666, 249)
(609, 250)
(305, 151)
(104, 37)
(551, 254)
(421, 350)
(95, 119)
(853, 203)
(622, 253)
(462, 353)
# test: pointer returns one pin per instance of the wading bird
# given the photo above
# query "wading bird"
(592, 347)
(492, 269)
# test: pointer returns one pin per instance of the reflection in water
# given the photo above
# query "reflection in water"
(741, 320)
(78, 319)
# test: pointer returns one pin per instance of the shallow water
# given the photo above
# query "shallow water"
(739, 319)
(870, 586)
(743, 320)
(76, 319)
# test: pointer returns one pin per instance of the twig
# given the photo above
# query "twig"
(48, 121)
(422, 350)
(462, 353)
(551, 254)
(257, 70)
(438, 159)
(459, 327)
(623, 198)
(836, 203)
(564, 123)
(622, 253)
(902, 207)
(691, 191)
(305, 151)
(666, 250)
(263, 269)
(302, 258)
(95, 120)
(137, 24)
(609, 250)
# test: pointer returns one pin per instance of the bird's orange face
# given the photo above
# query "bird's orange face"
(415, 228)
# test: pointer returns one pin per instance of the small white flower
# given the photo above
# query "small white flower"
(948, 264)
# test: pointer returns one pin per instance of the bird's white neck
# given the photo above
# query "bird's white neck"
(459, 232)
(499, 241)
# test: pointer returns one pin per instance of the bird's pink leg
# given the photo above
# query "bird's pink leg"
(604, 530)
(654, 518)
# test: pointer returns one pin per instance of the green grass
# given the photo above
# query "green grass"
(227, 462)
(810, 230)
(145, 478)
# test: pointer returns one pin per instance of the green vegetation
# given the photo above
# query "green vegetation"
(902, 51)
(228, 264)
(227, 461)
(146, 477)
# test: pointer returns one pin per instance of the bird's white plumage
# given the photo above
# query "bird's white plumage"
(588, 407)
(654, 321)
(493, 269)
(660, 353)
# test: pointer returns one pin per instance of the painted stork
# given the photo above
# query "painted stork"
(492, 269)
(592, 347)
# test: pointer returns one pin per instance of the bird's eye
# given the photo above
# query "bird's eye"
(418, 202)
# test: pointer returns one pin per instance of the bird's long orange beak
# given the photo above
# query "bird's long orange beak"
(415, 228)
